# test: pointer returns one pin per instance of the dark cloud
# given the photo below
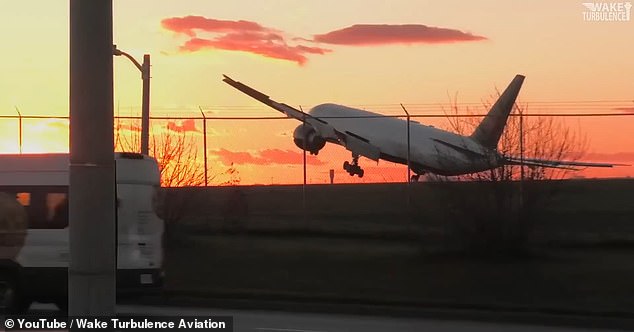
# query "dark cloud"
(381, 34)
(265, 157)
(244, 36)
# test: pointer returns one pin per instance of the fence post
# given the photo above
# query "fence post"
(521, 194)
(409, 170)
(19, 129)
(304, 164)
(204, 143)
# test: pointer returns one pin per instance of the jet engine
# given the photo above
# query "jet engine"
(313, 142)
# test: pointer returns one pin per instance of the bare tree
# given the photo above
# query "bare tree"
(543, 137)
(494, 212)
(178, 156)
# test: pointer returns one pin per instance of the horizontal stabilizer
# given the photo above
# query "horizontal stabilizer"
(556, 163)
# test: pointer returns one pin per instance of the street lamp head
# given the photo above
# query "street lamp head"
(116, 51)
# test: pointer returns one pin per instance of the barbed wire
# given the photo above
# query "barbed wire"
(563, 108)
(234, 118)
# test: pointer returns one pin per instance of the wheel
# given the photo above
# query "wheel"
(360, 173)
(62, 304)
(346, 165)
(11, 299)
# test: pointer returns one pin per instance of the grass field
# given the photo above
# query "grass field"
(589, 211)
(360, 244)
(595, 281)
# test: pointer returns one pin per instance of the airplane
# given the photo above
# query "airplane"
(432, 150)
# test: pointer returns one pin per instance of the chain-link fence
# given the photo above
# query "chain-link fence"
(252, 150)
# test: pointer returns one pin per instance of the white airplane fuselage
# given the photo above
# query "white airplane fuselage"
(431, 149)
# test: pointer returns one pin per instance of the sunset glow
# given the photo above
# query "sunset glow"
(369, 54)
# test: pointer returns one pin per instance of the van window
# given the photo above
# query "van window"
(57, 206)
(45, 206)
(23, 198)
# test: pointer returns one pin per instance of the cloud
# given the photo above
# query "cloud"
(185, 126)
(382, 34)
(244, 36)
(265, 157)
(624, 109)
(189, 24)
(251, 37)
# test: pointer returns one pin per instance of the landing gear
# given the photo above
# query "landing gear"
(416, 174)
(353, 168)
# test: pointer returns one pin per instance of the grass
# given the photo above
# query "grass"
(575, 205)
(359, 244)
(385, 272)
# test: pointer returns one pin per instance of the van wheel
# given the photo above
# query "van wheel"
(12, 301)
(62, 305)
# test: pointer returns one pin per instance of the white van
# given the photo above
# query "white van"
(34, 252)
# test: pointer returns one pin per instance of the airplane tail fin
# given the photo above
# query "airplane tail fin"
(490, 129)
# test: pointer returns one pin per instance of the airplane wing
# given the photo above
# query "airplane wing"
(572, 165)
(355, 143)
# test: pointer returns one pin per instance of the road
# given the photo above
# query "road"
(276, 321)
(263, 321)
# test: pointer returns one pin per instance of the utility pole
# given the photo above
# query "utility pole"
(92, 228)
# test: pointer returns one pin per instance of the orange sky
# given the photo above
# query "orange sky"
(305, 53)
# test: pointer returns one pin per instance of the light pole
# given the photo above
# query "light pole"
(144, 68)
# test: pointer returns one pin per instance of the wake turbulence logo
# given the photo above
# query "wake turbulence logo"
(607, 11)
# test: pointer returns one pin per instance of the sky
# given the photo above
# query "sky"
(372, 54)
